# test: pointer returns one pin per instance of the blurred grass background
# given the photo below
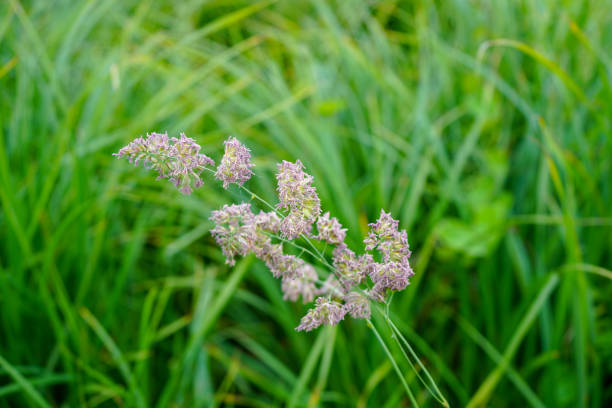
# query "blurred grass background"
(483, 126)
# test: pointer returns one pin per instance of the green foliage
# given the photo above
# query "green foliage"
(483, 126)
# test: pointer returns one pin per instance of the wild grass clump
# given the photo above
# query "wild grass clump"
(344, 287)
(483, 127)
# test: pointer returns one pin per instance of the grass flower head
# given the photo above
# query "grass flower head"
(177, 159)
(330, 230)
(297, 194)
(236, 163)
(325, 312)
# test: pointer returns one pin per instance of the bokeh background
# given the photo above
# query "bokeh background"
(483, 125)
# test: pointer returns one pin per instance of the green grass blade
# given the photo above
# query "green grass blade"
(483, 393)
(498, 359)
(309, 366)
(394, 363)
(110, 345)
(24, 384)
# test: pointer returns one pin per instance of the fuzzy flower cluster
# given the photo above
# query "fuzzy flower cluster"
(303, 285)
(330, 312)
(178, 160)
(297, 194)
(235, 165)
(351, 270)
(330, 230)
(234, 230)
(355, 280)
(239, 232)
(357, 305)
(394, 272)
(326, 311)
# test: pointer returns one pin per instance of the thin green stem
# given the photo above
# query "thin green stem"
(253, 195)
(317, 251)
(292, 244)
(397, 333)
(416, 372)
(388, 304)
(393, 362)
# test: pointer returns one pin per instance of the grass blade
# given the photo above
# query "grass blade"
(110, 345)
(483, 393)
(24, 383)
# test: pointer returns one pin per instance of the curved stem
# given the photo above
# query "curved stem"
(322, 258)
(388, 305)
(393, 362)
(397, 333)
(253, 195)
(292, 244)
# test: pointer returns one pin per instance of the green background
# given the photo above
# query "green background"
(484, 126)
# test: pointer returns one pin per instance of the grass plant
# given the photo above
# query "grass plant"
(485, 126)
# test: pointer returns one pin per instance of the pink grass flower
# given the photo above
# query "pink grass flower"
(235, 165)
(176, 159)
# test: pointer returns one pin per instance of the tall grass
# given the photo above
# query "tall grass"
(484, 127)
